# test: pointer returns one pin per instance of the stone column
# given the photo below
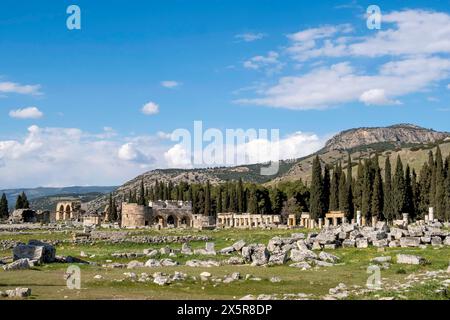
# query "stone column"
(358, 218)
(363, 221)
(327, 222)
(344, 220)
(406, 218)
(320, 223)
(426, 218)
(335, 223)
(374, 221)
(431, 214)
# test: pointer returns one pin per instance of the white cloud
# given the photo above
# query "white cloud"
(164, 135)
(296, 145)
(69, 156)
(48, 156)
(448, 86)
(257, 150)
(342, 83)
(13, 87)
(409, 32)
(170, 84)
(130, 152)
(178, 157)
(26, 113)
(150, 108)
(269, 63)
(250, 36)
(376, 97)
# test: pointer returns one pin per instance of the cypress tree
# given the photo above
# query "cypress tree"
(233, 198)
(408, 207)
(326, 189)
(219, 200)
(343, 195)
(424, 188)
(25, 203)
(156, 190)
(432, 192)
(240, 196)
(141, 200)
(447, 192)
(253, 201)
(110, 205)
(114, 211)
(207, 211)
(415, 194)
(277, 200)
(439, 197)
(366, 191)
(19, 202)
(4, 211)
(377, 195)
(349, 187)
(316, 206)
(399, 189)
(359, 183)
(334, 191)
(388, 203)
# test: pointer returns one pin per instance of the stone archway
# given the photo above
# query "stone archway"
(171, 221)
(159, 220)
(68, 212)
(60, 213)
(184, 221)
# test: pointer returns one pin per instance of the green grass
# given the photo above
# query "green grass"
(47, 281)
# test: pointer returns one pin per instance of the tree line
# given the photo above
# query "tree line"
(385, 194)
(21, 203)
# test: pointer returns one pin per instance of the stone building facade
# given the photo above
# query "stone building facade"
(246, 220)
(134, 215)
(69, 210)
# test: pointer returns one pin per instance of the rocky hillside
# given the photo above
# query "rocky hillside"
(250, 173)
(411, 142)
(400, 135)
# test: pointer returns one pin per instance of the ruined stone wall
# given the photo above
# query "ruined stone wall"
(134, 215)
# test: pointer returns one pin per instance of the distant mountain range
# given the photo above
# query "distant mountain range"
(409, 141)
(42, 192)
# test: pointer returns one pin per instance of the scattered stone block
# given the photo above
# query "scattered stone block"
(18, 293)
(21, 264)
(436, 241)
(278, 258)
(381, 260)
(348, 243)
(362, 243)
(380, 243)
(239, 245)
(410, 259)
(412, 242)
(328, 257)
(301, 265)
(227, 250)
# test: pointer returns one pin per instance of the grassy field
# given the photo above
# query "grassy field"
(47, 281)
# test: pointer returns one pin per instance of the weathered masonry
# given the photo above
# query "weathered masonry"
(160, 214)
(68, 210)
(246, 220)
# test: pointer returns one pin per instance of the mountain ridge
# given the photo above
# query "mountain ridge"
(360, 142)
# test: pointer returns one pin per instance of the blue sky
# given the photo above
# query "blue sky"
(293, 65)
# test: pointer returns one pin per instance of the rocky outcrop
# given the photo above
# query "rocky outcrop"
(398, 134)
